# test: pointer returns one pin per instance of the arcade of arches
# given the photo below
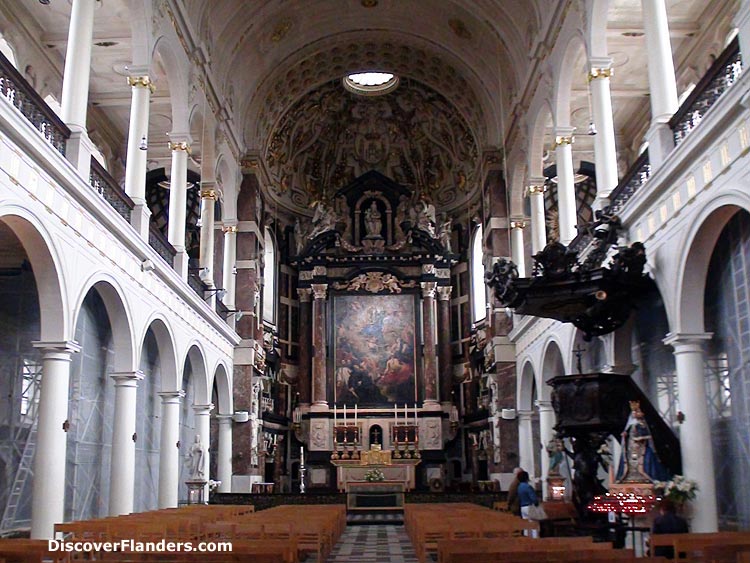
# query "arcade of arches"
(213, 240)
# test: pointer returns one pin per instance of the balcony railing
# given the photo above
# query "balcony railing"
(631, 182)
(105, 186)
(723, 73)
(158, 242)
(15, 89)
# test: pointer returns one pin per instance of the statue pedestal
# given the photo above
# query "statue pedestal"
(196, 491)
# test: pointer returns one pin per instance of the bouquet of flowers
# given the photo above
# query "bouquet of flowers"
(679, 490)
(213, 485)
(374, 475)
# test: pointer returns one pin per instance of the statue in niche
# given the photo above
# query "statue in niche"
(423, 215)
(341, 207)
(300, 235)
(373, 221)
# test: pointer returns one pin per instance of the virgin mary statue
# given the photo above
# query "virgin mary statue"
(639, 462)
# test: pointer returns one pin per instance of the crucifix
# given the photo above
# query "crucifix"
(578, 352)
(376, 434)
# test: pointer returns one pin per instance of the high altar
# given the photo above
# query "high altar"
(374, 287)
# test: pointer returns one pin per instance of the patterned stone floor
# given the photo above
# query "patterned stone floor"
(373, 544)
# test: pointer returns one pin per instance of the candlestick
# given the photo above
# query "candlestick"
(344, 415)
(355, 415)
(415, 414)
(406, 416)
(335, 411)
(395, 412)
(301, 455)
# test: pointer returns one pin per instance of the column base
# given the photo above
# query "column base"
(660, 143)
(181, 264)
(319, 406)
(78, 151)
(140, 219)
(431, 405)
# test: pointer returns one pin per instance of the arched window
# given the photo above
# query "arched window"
(269, 279)
(478, 288)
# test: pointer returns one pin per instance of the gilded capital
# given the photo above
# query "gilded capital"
(304, 294)
(208, 194)
(320, 290)
(229, 229)
(564, 140)
(444, 292)
(141, 82)
(181, 146)
(540, 189)
(428, 289)
(601, 72)
(518, 224)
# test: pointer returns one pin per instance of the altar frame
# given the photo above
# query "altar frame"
(350, 472)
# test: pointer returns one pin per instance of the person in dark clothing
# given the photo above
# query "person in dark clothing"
(514, 506)
(668, 523)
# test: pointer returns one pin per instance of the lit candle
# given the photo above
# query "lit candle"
(415, 414)
(335, 412)
(355, 415)
(301, 455)
(395, 412)
(406, 421)
(344, 415)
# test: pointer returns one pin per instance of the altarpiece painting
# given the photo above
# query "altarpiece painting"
(374, 351)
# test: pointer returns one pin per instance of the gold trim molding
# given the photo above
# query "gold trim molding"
(181, 146)
(600, 72)
(561, 140)
(536, 189)
(208, 194)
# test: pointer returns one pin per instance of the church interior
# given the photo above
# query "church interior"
(380, 257)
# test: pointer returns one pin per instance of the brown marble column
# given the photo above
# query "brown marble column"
(444, 342)
(428, 333)
(319, 345)
(305, 330)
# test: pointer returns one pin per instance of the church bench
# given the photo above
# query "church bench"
(30, 551)
(273, 551)
(693, 544)
(486, 551)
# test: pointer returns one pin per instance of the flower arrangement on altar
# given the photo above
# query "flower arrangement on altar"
(679, 490)
(213, 485)
(374, 475)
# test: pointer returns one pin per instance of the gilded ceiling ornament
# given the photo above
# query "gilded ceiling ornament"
(375, 282)
(413, 136)
(459, 28)
(280, 31)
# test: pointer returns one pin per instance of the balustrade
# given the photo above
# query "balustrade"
(16, 90)
(159, 242)
(105, 186)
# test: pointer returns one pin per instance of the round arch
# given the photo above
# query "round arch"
(537, 136)
(552, 366)
(46, 263)
(223, 386)
(694, 259)
(167, 355)
(201, 383)
(525, 387)
(564, 79)
(120, 319)
(177, 73)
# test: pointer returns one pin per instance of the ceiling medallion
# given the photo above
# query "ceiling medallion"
(573, 286)
(371, 83)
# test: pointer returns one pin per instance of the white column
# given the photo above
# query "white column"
(546, 433)
(141, 88)
(75, 90)
(225, 453)
(122, 471)
(525, 442)
(203, 429)
(605, 152)
(229, 271)
(661, 81)
(48, 494)
(206, 257)
(169, 452)
(538, 221)
(695, 430)
(516, 245)
(566, 194)
(742, 22)
(178, 204)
